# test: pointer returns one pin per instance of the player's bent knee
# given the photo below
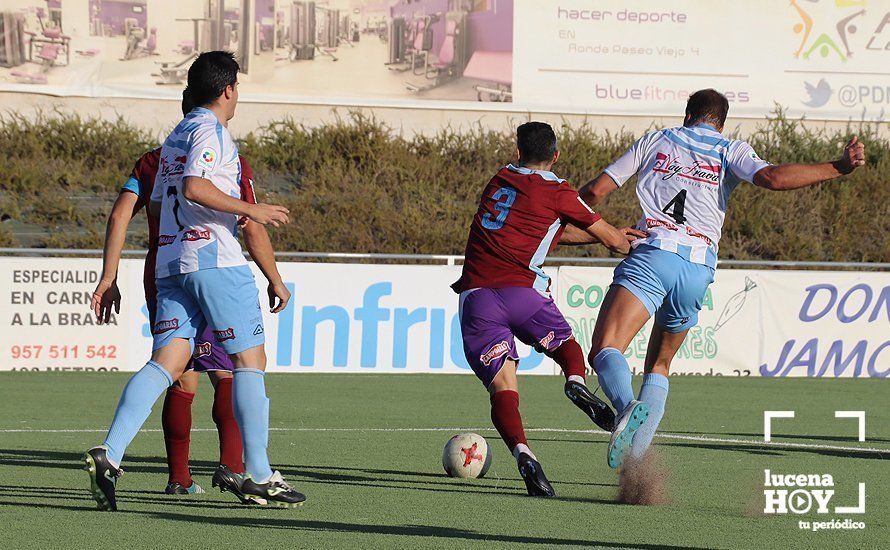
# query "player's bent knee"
(188, 381)
(505, 379)
(251, 358)
(173, 357)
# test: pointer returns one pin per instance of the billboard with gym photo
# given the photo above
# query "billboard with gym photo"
(341, 50)
(426, 49)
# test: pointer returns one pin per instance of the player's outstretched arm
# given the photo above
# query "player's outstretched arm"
(785, 177)
(203, 192)
(107, 296)
(259, 245)
(597, 189)
(573, 236)
(616, 240)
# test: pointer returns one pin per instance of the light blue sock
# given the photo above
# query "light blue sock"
(139, 395)
(654, 393)
(614, 377)
(252, 412)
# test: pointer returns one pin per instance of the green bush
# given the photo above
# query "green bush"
(356, 185)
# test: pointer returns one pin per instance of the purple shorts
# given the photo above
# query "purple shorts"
(207, 354)
(491, 317)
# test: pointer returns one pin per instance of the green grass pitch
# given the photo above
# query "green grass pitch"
(366, 450)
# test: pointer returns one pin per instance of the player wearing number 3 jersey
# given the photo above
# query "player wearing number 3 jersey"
(505, 294)
(685, 176)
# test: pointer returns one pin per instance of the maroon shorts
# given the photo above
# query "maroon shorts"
(490, 318)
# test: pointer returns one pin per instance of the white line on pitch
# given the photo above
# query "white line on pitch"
(680, 437)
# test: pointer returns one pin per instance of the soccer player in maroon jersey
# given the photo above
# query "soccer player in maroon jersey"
(504, 293)
(208, 356)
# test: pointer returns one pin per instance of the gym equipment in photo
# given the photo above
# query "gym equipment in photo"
(450, 60)
(175, 72)
(496, 70)
(117, 17)
(12, 39)
(138, 44)
(48, 56)
(50, 34)
(328, 38)
(301, 31)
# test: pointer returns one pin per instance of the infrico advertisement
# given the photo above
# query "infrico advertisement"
(825, 59)
(397, 318)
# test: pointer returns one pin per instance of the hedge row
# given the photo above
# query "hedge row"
(355, 185)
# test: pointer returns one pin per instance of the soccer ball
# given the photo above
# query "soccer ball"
(466, 455)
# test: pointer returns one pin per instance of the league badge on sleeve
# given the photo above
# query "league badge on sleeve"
(207, 158)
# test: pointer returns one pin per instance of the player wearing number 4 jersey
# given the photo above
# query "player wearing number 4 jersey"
(685, 176)
(203, 280)
(504, 292)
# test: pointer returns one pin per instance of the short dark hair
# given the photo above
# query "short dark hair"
(536, 142)
(187, 103)
(707, 106)
(209, 76)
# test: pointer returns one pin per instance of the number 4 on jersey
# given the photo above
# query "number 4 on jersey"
(678, 203)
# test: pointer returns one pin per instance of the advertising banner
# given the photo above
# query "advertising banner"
(401, 318)
(762, 323)
(342, 318)
(825, 59)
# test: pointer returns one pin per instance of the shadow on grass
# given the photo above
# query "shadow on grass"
(425, 531)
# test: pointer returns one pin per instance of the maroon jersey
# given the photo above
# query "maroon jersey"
(521, 216)
(141, 182)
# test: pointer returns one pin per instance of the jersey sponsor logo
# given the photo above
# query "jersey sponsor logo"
(652, 222)
(698, 171)
(201, 350)
(498, 350)
(195, 235)
(693, 233)
(545, 341)
(223, 335)
(165, 325)
(176, 168)
(206, 158)
(164, 240)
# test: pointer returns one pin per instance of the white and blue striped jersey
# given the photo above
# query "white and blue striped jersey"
(193, 237)
(685, 177)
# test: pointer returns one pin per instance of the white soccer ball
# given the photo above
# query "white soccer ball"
(466, 455)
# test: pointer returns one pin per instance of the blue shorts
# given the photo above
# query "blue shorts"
(225, 299)
(671, 287)
(207, 355)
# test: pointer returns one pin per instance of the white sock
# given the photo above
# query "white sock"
(523, 448)
(578, 379)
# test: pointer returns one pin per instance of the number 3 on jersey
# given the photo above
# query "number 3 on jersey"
(679, 205)
(504, 198)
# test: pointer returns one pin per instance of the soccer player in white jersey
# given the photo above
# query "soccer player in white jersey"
(203, 280)
(685, 177)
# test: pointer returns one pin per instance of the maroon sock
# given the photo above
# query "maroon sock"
(177, 422)
(230, 449)
(570, 358)
(505, 416)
